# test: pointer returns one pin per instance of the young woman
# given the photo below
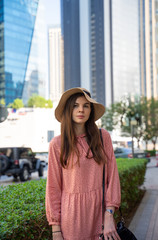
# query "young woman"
(75, 172)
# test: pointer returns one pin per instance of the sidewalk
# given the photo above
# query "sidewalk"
(145, 222)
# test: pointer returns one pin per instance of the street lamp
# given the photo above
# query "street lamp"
(133, 123)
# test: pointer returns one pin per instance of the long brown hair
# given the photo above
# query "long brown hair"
(68, 136)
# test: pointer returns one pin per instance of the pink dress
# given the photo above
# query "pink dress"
(74, 195)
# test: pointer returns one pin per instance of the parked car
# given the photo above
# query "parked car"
(43, 157)
(19, 162)
(121, 152)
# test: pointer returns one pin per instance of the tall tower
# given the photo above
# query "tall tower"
(149, 47)
(71, 37)
(83, 36)
(110, 47)
(122, 58)
(97, 50)
(23, 50)
(55, 56)
(155, 92)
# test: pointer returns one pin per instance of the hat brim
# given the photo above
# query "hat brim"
(99, 109)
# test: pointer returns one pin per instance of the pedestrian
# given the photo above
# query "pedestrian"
(75, 172)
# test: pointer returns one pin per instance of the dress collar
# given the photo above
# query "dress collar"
(81, 135)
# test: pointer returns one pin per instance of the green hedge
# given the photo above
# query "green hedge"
(22, 214)
(132, 175)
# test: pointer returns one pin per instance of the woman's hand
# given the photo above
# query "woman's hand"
(57, 236)
(110, 232)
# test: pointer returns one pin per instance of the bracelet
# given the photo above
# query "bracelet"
(56, 231)
(110, 211)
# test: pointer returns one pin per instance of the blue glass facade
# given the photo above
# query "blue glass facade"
(17, 33)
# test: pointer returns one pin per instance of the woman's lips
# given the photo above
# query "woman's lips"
(80, 116)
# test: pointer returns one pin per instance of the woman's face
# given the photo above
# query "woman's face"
(81, 110)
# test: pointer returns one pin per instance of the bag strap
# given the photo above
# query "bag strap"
(103, 181)
(121, 216)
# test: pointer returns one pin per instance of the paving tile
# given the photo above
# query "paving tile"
(153, 226)
(145, 222)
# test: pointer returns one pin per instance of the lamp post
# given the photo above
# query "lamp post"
(133, 123)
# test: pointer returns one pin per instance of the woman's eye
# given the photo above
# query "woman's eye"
(86, 106)
(75, 105)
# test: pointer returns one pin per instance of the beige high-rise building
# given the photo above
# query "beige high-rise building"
(149, 47)
(55, 64)
(156, 37)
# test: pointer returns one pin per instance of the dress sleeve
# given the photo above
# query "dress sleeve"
(53, 186)
(112, 182)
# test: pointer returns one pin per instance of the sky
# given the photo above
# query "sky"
(52, 12)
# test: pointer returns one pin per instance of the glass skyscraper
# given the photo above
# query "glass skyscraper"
(97, 50)
(122, 58)
(102, 47)
(55, 63)
(23, 53)
(70, 33)
(82, 24)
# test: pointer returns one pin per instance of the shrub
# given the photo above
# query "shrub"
(23, 205)
(23, 211)
(132, 175)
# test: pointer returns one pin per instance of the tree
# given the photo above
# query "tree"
(150, 120)
(153, 120)
(2, 102)
(108, 120)
(18, 103)
(49, 103)
(139, 111)
(3, 110)
(38, 101)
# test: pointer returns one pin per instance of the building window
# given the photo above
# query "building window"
(50, 135)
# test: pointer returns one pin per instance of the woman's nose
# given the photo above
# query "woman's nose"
(80, 108)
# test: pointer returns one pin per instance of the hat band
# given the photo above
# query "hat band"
(87, 93)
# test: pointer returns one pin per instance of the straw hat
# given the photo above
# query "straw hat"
(99, 109)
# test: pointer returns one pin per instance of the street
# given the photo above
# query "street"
(151, 176)
(5, 180)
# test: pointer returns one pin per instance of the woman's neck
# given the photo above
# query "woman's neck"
(79, 130)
